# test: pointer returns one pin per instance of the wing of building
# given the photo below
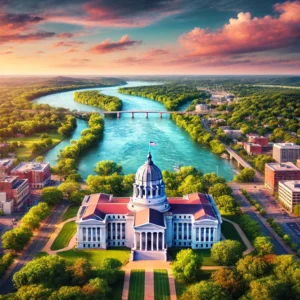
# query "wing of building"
(148, 221)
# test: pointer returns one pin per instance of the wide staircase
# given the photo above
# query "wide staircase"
(149, 255)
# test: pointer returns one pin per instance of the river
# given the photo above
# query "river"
(126, 140)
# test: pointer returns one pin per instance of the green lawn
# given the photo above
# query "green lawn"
(181, 286)
(70, 213)
(117, 289)
(161, 285)
(205, 253)
(24, 152)
(96, 256)
(65, 235)
(231, 233)
(136, 285)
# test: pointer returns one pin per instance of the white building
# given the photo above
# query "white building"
(289, 193)
(201, 107)
(148, 221)
(286, 152)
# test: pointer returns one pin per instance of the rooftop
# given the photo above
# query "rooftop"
(292, 185)
(149, 215)
(286, 146)
(6, 162)
(30, 166)
(8, 179)
(288, 166)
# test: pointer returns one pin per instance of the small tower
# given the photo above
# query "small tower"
(149, 188)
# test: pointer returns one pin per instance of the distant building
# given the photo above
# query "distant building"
(6, 205)
(275, 172)
(260, 140)
(286, 152)
(233, 133)
(298, 163)
(16, 189)
(6, 166)
(201, 107)
(252, 149)
(229, 98)
(38, 174)
(289, 193)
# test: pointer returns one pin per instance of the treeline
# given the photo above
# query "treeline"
(68, 158)
(53, 277)
(95, 98)
(17, 238)
(170, 95)
(68, 126)
(192, 124)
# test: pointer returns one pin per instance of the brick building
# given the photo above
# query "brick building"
(260, 140)
(275, 172)
(38, 174)
(285, 152)
(252, 148)
(6, 166)
(16, 189)
(289, 193)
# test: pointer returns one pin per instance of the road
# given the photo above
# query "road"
(245, 206)
(35, 247)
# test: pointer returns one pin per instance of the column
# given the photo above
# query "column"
(185, 231)
(141, 241)
(204, 234)
(134, 240)
(151, 241)
(146, 241)
(116, 230)
(199, 233)
(163, 241)
(157, 248)
(177, 230)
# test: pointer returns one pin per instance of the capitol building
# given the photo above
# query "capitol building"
(148, 222)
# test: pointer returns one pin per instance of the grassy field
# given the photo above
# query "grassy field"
(65, 235)
(24, 152)
(205, 253)
(181, 286)
(231, 233)
(117, 289)
(96, 256)
(136, 285)
(70, 213)
(161, 285)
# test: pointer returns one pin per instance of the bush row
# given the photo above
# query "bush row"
(256, 205)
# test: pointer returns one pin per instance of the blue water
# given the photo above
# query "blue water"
(126, 140)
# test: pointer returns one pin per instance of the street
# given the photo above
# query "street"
(35, 247)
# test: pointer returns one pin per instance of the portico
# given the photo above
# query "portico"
(149, 240)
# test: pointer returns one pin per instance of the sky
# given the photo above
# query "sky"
(149, 37)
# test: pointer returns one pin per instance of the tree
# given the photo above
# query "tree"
(39, 159)
(227, 252)
(296, 210)
(97, 288)
(69, 187)
(252, 267)
(51, 195)
(33, 291)
(263, 245)
(204, 290)
(246, 175)
(230, 281)
(16, 239)
(81, 271)
(67, 293)
(266, 288)
(260, 162)
(107, 167)
(110, 269)
(217, 147)
(187, 265)
(77, 197)
(220, 189)
(227, 203)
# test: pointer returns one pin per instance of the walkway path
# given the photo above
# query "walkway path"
(54, 235)
(249, 246)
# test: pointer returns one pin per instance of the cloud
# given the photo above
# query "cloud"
(156, 52)
(245, 34)
(65, 35)
(67, 44)
(107, 46)
(7, 52)
(132, 60)
(21, 38)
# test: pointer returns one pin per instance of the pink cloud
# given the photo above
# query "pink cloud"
(132, 60)
(156, 52)
(65, 35)
(246, 34)
(67, 44)
(107, 46)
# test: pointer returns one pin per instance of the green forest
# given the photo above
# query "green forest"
(95, 98)
(170, 95)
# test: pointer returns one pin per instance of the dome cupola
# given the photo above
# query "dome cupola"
(149, 188)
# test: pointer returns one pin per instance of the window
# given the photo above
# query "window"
(98, 245)
(83, 245)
